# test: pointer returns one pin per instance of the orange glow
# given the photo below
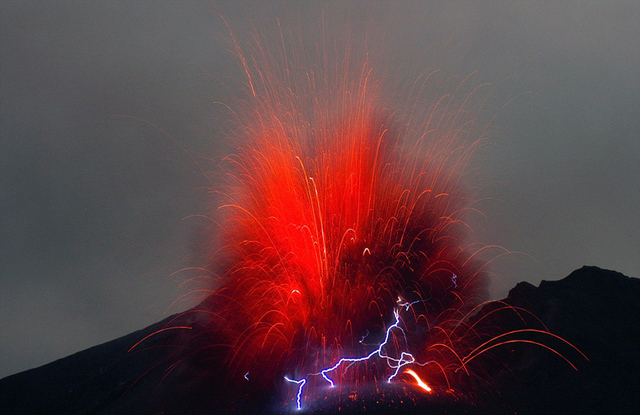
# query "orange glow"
(419, 381)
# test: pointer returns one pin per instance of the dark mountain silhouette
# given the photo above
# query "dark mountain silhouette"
(599, 312)
(596, 310)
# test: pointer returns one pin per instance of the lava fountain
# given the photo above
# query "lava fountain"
(344, 263)
(343, 224)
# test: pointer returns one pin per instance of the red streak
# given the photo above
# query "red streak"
(419, 381)
(157, 332)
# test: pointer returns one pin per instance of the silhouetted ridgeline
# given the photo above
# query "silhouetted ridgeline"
(596, 310)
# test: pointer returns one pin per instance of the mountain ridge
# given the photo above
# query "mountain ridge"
(596, 310)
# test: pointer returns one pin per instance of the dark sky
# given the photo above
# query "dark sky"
(104, 103)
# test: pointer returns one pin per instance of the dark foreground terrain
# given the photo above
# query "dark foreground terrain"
(596, 310)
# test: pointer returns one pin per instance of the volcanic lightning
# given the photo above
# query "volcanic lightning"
(405, 358)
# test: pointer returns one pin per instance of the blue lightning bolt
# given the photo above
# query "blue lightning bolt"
(406, 358)
(300, 387)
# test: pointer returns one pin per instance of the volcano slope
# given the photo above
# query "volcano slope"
(596, 310)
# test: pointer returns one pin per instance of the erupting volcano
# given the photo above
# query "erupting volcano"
(344, 261)
(345, 213)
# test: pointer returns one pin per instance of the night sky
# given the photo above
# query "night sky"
(106, 105)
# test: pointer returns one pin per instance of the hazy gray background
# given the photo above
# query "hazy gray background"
(94, 207)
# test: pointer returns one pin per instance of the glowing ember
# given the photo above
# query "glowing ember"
(419, 381)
